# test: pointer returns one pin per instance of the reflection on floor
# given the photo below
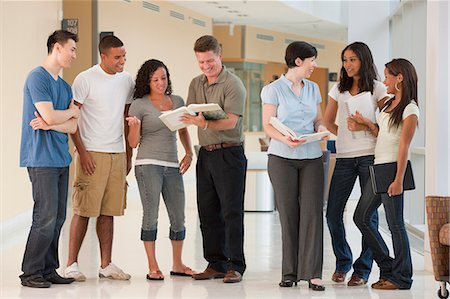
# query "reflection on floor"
(262, 248)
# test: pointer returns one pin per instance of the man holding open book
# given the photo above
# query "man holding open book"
(221, 164)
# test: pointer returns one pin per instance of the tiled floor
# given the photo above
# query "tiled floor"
(262, 249)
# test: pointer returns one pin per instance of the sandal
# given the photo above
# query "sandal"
(186, 272)
(155, 275)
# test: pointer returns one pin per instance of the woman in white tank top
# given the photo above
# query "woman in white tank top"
(395, 129)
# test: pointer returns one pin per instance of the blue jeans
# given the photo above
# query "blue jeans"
(50, 186)
(152, 181)
(398, 270)
(342, 182)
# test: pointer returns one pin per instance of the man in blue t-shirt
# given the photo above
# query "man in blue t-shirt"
(48, 115)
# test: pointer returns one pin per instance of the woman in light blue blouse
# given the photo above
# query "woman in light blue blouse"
(295, 167)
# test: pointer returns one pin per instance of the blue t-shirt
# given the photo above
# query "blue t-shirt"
(40, 148)
(296, 112)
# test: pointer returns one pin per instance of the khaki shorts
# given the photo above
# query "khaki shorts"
(104, 192)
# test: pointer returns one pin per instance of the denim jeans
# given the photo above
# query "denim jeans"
(398, 269)
(152, 181)
(344, 176)
(49, 186)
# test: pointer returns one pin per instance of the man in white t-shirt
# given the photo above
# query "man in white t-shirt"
(102, 160)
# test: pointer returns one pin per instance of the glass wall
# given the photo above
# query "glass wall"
(251, 75)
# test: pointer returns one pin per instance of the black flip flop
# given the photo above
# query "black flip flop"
(173, 273)
(157, 278)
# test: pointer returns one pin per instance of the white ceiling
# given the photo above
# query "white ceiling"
(272, 15)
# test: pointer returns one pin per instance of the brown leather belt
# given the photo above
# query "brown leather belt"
(213, 147)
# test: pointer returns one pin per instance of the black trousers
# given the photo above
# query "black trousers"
(220, 200)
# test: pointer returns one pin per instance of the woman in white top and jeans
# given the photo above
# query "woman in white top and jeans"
(354, 155)
(395, 129)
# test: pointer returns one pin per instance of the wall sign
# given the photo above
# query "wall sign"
(105, 33)
(70, 25)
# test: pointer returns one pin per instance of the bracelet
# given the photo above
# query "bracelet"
(206, 126)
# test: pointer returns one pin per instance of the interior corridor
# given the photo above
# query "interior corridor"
(262, 249)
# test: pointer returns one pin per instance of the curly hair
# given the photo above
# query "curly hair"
(144, 75)
(367, 73)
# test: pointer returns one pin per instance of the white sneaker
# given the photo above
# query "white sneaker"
(73, 272)
(113, 272)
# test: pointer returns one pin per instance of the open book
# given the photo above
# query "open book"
(286, 131)
(172, 118)
(362, 103)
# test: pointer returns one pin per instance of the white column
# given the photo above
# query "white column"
(437, 140)
(373, 31)
(408, 40)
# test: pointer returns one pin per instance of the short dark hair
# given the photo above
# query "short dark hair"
(61, 37)
(108, 42)
(207, 43)
(144, 75)
(367, 72)
(298, 49)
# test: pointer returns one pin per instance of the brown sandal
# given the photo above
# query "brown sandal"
(157, 273)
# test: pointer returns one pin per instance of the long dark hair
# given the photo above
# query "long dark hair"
(144, 75)
(408, 88)
(367, 72)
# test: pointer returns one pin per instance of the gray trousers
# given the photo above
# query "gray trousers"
(298, 186)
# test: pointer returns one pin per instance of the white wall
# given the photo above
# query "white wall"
(438, 100)
(146, 35)
(437, 172)
(409, 40)
(373, 31)
(332, 11)
(149, 34)
(25, 27)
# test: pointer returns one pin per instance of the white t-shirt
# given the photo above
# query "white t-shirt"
(103, 97)
(346, 145)
(388, 141)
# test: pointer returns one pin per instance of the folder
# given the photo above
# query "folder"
(382, 176)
